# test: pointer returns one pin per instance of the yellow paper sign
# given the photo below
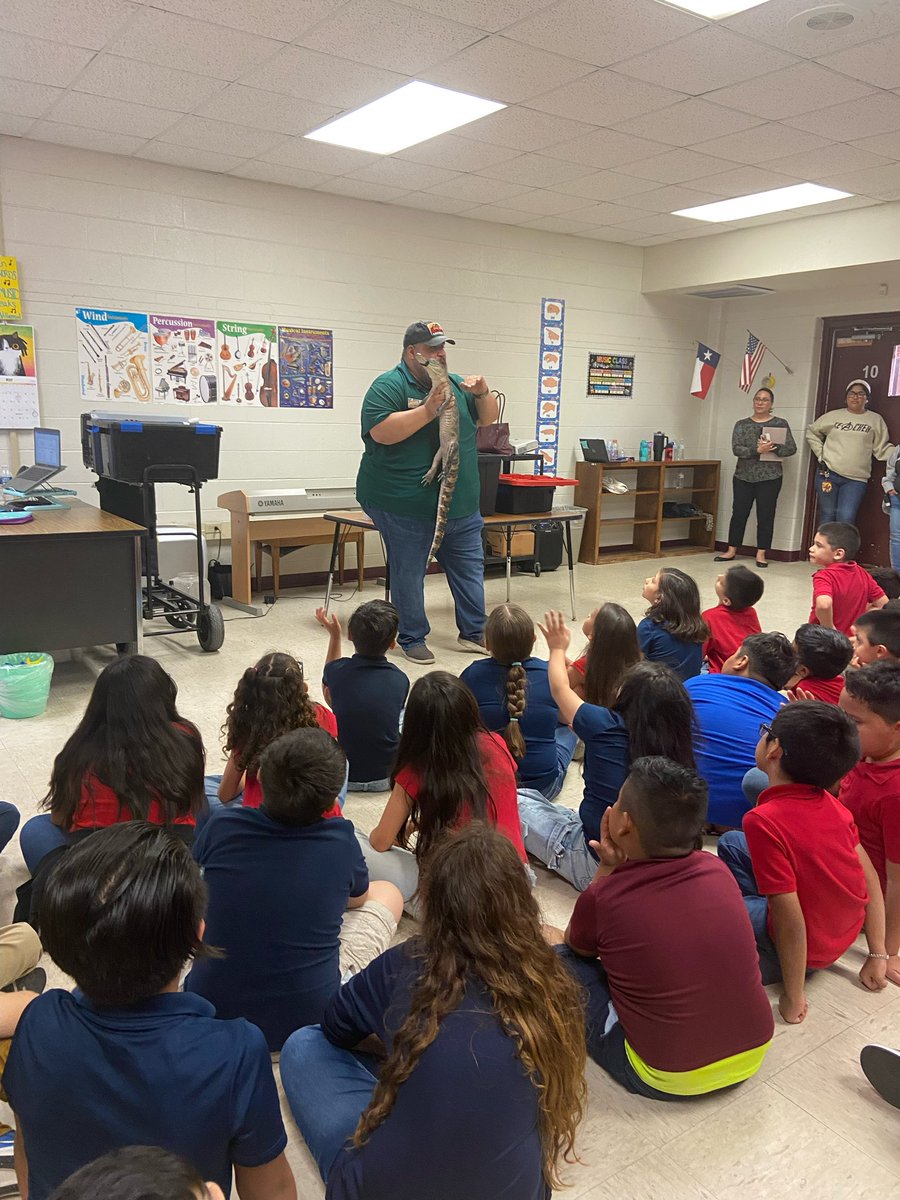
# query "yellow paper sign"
(10, 297)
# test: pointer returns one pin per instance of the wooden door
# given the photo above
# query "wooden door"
(860, 347)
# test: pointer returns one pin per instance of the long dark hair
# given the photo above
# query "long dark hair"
(613, 648)
(677, 607)
(440, 743)
(480, 922)
(509, 637)
(269, 700)
(658, 714)
(132, 739)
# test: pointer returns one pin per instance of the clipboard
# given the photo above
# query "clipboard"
(776, 434)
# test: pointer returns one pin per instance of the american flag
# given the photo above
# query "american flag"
(753, 356)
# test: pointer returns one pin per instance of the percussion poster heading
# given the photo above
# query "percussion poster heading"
(183, 361)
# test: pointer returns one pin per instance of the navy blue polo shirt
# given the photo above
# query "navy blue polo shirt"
(658, 645)
(367, 697)
(607, 761)
(164, 1072)
(465, 1122)
(277, 895)
(487, 681)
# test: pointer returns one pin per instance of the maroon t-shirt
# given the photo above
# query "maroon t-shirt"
(678, 948)
(727, 630)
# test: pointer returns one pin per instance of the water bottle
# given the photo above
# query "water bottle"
(644, 454)
(5, 476)
(679, 479)
(679, 451)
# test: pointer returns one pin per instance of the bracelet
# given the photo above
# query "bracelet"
(886, 957)
(481, 395)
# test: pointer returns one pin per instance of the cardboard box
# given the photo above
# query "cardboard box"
(522, 542)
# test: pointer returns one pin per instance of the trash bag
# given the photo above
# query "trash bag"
(24, 684)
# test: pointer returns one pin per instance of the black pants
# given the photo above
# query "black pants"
(765, 493)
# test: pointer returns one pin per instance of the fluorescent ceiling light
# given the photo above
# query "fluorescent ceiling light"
(412, 114)
(716, 10)
(800, 195)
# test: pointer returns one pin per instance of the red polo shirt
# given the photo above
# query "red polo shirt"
(727, 629)
(852, 590)
(828, 690)
(871, 791)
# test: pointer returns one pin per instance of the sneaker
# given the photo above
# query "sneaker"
(7, 1144)
(31, 981)
(881, 1066)
(418, 654)
(475, 646)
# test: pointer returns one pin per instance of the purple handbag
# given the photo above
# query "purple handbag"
(494, 439)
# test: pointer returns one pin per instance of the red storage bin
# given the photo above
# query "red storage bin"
(528, 493)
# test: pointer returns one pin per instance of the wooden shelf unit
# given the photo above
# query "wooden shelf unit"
(651, 484)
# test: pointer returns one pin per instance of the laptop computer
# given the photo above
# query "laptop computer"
(594, 450)
(47, 463)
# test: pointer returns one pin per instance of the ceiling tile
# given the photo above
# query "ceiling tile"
(771, 140)
(605, 233)
(503, 70)
(495, 212)
(408, 176)
(845, 122)
(710, 58)
(675, 166)
(431, 202)
(123, 79)
(379, 31)
(184, 156)
(283, 20)
(884, 144)
(604, 98)
(91, 25)
(743, 181)
(37, 61)
(880, 182)
(266, 110)
(604, 214)
(478, 190)
(27, 99)
(491, 17)
(523, 129)
(171, 40)
(536, 170)
(269, 173)
(456, 153)
(606, 185)
(797, 89)
(782, 23)
(557, 225)
(659, 223)
(816, 165)
(360, 190)
(687, 122)
(317, 156)
(546, 202)
(94, 112)
(219, 137)
(296, 71)
(668, 199)
(605, 148)
(13, 125)
(86, 139)
(877, 62)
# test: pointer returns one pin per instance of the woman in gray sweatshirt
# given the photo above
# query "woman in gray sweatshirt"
(844, 441)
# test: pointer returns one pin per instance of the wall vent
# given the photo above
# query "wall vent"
(733, 291)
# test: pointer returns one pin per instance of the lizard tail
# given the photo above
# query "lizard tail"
(445, 497)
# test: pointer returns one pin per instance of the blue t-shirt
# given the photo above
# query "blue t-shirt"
(277, 894)
(163, 1072)
(729, 710)
(367, 697)
(658, 645)
(487, 680)
(464, 1125)
(607, 761)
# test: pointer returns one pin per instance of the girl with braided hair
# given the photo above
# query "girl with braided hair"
(482, 1087)
(513, 693)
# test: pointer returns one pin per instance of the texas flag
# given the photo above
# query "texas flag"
(704, 370)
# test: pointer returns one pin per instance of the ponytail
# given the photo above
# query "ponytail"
(515, 706)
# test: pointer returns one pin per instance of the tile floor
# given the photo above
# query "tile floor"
(807, 1125)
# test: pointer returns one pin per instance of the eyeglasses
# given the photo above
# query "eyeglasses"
(859, 395)
(765, 730)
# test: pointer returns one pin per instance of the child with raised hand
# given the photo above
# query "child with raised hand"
(842, 589)
(133, 756)
(651, 715)
(366, 692)
(871, 789)
(823, 656)
(289, 896)
(673, 631)
(612, 648)
(450, 769)
(876, 635)
(734, 617)
(808, 884)
(482, 1088)
(122, 914)
(513, 694)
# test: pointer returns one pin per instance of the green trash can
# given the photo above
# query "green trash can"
(24, 684)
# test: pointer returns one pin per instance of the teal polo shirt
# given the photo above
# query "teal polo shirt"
(390, 477)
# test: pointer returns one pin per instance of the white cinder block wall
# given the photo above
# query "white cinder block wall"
(124, 233)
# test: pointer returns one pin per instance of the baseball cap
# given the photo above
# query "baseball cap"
(428, 333)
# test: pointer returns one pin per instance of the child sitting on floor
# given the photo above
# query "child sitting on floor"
(138, 1173)
(513, 694)
(366, 692)
(871, 790)
(612, 649)
(808, 884)
(842, 589)
(665, 1015)
(823, 656)
(876, 636)
(734, 617)
(289, 896)
(673, 631)
(127, 1057)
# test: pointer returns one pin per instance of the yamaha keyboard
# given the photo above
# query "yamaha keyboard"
(289, 500)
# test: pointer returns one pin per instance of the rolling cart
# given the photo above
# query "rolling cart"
(131, 456)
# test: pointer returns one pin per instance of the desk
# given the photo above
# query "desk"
(71, 577)
(506, 521)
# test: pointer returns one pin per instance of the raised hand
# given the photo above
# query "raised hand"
(555, 631)
(331, 622)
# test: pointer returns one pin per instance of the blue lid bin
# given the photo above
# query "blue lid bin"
(24, 684)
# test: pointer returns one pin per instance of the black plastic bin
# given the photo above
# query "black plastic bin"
(528, 493)
(120, 447)
(489, 471)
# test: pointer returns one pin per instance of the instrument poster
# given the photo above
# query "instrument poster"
(183, 360)
(112, 355)
(18, 378)
(304, 362)
(550, 361)
(247, 364)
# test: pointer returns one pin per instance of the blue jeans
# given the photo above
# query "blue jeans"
(735, 854)
(374, 785)
(551, 785)
(842, 502)
(754, 782)
(328, 1089)
(555, 836)
(38, 837)
(895, 531)
(407, 541)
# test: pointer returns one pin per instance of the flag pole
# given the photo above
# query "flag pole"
(774, 355)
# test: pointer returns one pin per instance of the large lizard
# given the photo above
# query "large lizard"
(447, 457)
